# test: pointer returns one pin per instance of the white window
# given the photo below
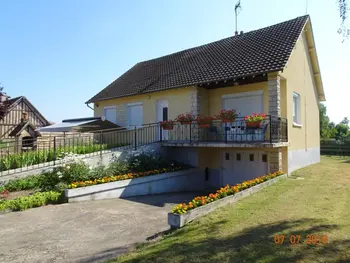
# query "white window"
(135, 114)
(110, 113)
(296, 108)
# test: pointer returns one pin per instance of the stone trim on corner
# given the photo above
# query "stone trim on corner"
(194, 102)
(274, 94)
(276, 161)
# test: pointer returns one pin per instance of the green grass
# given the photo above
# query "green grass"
(319, 204)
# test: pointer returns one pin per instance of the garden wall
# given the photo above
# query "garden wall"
(185, 180)
(178, 221)
(93, 159)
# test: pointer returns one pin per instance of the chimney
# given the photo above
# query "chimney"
(236, 33)
(3, 97)
(241, 33)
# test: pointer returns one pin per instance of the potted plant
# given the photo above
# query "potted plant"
(227, 115)
(185, 118)
(254, 121)
(204, 121)
(167, 125)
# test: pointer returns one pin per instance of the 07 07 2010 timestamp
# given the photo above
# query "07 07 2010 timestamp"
(299, 239)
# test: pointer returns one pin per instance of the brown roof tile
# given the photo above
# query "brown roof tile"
(255, 52)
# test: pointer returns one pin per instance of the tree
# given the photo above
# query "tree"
(4, 106)
(345, 121)
(327, 128)
(342, 130)
(343, 13)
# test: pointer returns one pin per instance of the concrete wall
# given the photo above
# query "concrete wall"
(187, 180)
(300, 158)
(211, 158)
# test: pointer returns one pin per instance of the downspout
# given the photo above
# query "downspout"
(305, 91)
(87, 104)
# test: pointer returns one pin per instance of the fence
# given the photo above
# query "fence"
(26, 154)
(333, 147)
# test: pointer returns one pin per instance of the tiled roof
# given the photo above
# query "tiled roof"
(255, 52)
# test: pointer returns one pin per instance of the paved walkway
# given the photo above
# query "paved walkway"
(84, 232)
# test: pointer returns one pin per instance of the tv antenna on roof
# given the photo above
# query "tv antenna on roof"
(237, 6)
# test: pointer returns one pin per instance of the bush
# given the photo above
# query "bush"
(117, 167)
(35, 200)
(145, 159)
(27, 183)
(74, 171)
(98, 172)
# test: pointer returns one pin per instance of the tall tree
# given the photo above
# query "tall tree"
(343, 6)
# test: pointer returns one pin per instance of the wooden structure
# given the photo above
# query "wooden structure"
(19, 123)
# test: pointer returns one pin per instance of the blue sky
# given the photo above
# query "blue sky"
(60, 53)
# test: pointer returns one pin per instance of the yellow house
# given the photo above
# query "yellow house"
(273, 70)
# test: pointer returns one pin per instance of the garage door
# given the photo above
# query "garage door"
(241, 166)
(244, 103)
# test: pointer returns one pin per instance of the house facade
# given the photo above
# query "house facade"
(273, 70)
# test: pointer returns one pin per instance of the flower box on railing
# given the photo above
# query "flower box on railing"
(167, 125)
(254, 121)
(227, 116)
(253, 125)
(204, 121)
(185, 118)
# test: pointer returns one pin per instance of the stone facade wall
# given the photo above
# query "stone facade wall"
(195, 99)
(274, 93)
(121, 115)
(276, 162)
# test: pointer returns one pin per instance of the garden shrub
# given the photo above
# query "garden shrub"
(27, 183)
(98, 172)
(117, 167)
(35, 200)
(145, 159)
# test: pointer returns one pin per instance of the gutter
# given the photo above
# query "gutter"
(87, 104)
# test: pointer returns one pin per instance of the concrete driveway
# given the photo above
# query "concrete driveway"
(84, 232)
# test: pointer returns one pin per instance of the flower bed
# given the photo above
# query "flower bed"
(200, 206)
(221, 193)
(109, 179)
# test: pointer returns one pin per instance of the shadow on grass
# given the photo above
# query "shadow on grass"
(255, 244)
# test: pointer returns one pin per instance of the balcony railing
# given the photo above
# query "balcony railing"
(272, 130)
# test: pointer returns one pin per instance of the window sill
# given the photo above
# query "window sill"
(297, 125)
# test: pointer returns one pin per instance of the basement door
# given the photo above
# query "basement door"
(238, 166)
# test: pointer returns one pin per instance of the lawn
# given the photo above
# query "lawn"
(316, 204)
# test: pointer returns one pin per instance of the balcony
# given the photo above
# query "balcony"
(272, 133)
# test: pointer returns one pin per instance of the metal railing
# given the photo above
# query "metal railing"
(31, 153)
(25, 154)
(272, 130)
